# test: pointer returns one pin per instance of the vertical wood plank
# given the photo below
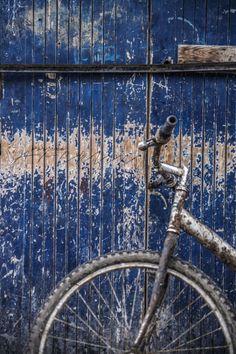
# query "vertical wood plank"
(133, 169)
(231, 203)
(73, 138)
(121, 21)
(73, 161)
(208, 261)
(13, 208)
(118, 161)
(85, 168)
(230, 190)
(61, 194)
(74, 31)
(62, 34)
(98, 30)
(39, 25)
(197, 162)
(107, 237)
(200, 22)
(28, 210)
(109, 31)
(96, 165)
(86, 31)
(37, 279)
(27, 105)
(108, 130)
(185, 243)
(223, 22)
(49, 183)
(37, 246)
(219, 165)
(50, 31)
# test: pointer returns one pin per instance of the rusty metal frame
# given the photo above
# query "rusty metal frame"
(173, 231)
(209, 239)
(202, 233)
(180, 219)
(201, 68)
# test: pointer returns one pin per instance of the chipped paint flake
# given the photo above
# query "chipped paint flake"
(20, 156)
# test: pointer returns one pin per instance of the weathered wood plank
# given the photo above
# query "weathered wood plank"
(61, 182)
(96, 178)
(107, 241)
(73, 129)
(206, 54)
(85, 171)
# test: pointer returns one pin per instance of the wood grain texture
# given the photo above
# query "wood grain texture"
(206, 54)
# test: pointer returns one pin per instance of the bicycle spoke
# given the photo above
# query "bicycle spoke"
(114, 293)
(134, 299)
(104, 314)
(123, 310)
(115, 350)
(183, 309)
(189, 329)
(89, 327)
(202, 336)
(123, 299)
(177, 297)
(90, 310)
(188, 349)
(103, 299)
(69, 324)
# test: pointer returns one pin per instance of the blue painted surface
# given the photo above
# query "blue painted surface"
(72, 180)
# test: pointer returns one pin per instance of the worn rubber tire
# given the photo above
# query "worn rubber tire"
(187, 270)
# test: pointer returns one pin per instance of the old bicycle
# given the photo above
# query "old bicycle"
(140, 301)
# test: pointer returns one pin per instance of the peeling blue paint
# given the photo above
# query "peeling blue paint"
(72, 180)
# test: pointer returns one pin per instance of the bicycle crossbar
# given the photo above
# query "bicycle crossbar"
(209, 239)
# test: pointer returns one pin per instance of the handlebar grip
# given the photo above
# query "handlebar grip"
(165, 130)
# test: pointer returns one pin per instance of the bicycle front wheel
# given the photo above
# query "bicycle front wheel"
(98, 308)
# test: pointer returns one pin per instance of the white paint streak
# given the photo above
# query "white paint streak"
(170, 19)
(232, 11)
(7, 275)
(163, 84)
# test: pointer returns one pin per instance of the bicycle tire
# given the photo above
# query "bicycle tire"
(82, 280)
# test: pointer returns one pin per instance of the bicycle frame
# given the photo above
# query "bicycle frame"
(202, 233)
(180, 219)
(209, 239)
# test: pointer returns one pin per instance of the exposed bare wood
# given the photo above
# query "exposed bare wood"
(206, 54)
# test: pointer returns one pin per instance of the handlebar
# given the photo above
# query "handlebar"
(162, 135)
(165, 131)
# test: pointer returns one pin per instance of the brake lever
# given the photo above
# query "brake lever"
(154, 184)
(169, 181)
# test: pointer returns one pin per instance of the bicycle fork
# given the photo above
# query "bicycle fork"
(160, 283)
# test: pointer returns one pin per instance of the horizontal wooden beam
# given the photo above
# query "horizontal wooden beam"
(206, 54)
(201, 68)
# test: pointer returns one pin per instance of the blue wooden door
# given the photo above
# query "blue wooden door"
(73, 184)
